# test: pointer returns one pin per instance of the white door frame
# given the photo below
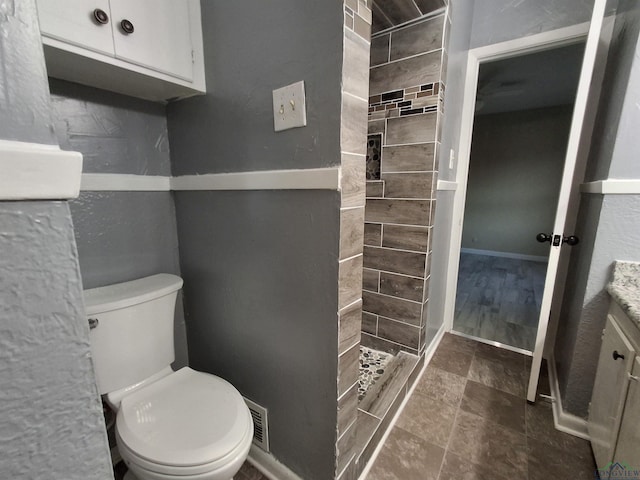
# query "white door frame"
(531, 44)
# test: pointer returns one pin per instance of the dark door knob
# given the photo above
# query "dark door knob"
(127, 26)
(571, 240)
(100, 16)
(616, 355)
(543, 237)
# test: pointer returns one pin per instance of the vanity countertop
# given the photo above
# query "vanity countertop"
(625, 288)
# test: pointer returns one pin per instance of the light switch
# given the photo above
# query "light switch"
(289, 107)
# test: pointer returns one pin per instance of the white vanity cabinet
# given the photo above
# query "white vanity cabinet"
(614, 413)
(150, 49)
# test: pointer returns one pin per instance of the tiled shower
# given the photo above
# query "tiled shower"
(407, 81)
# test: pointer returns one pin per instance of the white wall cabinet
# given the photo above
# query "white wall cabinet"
(150, 49)
(614, 413)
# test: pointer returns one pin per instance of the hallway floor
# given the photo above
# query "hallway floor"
(468, 419)
(499, 299)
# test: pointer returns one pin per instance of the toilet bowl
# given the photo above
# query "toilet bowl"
(183, 424)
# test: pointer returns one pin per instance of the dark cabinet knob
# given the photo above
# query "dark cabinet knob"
(571, 240)
(543, 237)
(127, 26)
(616, 355)
(100, 16)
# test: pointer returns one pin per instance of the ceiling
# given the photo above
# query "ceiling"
(389, 13)
(543, 79)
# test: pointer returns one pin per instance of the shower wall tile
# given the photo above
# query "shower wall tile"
(350, 280)
(412, 71)
(351, 232)
(408, 158)
(347, 408)
(348, 367)
(402, 286)
(362, 27)
(418, 38)
(406, 237)
(380, 50)
(355, 74)
(408, 185)
(399, 11)
(399, 332)
(405, 105)
(428, 6)
(407, 212)
(369, 323)
(395, 261)
(412, 129)
(370, 279)
(354, 124)
(377, 126)
(375, 188)
(391, 307)
(373, 234)
(345, 447)
(349, 320)
(352, 181)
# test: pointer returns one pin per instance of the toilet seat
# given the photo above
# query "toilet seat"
(186, 423)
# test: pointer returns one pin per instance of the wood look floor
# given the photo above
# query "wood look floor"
(499, 299)
(468, 418)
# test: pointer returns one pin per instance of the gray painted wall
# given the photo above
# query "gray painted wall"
(250, 49)
(459, 38)
(491, 22)
(514, 179)
(261, 276)
(607, 223)
(121, 236)
(50, 411)
(497, 21)
(260, 268)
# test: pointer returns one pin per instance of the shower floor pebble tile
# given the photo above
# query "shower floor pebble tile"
(372, 367)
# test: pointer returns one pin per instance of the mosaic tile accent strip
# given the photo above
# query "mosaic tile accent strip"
(374, 156)
(372, 366)
(410, 101)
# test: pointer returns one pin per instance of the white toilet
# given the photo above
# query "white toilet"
(183, 425)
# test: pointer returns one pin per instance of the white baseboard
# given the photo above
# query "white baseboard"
(563, 421)
(269, 466)
(612, 186)
(493, 253)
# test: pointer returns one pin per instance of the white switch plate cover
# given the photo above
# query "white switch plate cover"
(289, 107)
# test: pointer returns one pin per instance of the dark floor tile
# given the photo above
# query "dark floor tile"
(488, 444)
(500, 354)
(458, 468)
(499, 374)
(458, 343)
(546, 461)
(249, 472)
(428, 419)
(442, 386)
(405, 456)
(495, 405)
(452, 360)
(539, 418)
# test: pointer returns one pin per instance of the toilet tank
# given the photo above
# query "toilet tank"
(131, 329)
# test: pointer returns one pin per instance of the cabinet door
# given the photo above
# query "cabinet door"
(161, 37)
(72, 21)
(628, 446)
(609, 392)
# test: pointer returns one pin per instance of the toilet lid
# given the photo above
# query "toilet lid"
(186, 418)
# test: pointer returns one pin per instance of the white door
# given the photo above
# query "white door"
(155, 34)
(78, 22)
(577, 150)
